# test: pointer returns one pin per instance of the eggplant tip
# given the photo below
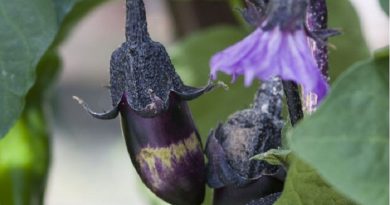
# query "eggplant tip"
(80, 101)
(111, 114)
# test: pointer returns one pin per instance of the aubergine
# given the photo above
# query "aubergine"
(161, 137)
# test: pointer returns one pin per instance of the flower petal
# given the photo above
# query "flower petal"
(249, 76)
(226, 59)
(265, 54)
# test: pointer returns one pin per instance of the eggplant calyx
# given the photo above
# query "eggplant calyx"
(189, 93)
(108, 115)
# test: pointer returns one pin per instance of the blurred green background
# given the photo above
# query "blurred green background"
(89, 162)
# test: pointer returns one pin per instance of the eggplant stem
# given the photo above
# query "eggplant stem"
(136, 26)
(293, 101)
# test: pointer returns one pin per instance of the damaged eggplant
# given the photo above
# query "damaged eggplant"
(237, 180)
(161, 137)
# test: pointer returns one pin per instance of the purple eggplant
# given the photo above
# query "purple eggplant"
(161, 137)
(166, 151)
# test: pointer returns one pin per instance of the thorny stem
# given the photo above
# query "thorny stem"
(136, 26)
(293, 101)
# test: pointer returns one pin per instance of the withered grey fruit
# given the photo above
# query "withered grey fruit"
(161, 137)
(246, 133)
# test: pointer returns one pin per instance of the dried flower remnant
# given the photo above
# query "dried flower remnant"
(278, 47)
(162, 140)
(235, 177)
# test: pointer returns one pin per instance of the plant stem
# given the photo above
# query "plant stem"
(136, 26)
(293, 101)
(317, 20)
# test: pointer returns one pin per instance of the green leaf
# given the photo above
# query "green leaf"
(50, 64)
(63, 7)
(385, 5)
(27, 29)
(304, 186)
(275, 157)
(191, 59)
(25, 149)
(347, 139)
(24, 160)
(351, 45)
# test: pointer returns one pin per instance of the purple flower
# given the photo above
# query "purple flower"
(279, 47)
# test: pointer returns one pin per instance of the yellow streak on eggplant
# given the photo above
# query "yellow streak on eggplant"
(177, 151)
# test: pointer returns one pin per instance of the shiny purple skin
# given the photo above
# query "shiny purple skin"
(166, 151)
